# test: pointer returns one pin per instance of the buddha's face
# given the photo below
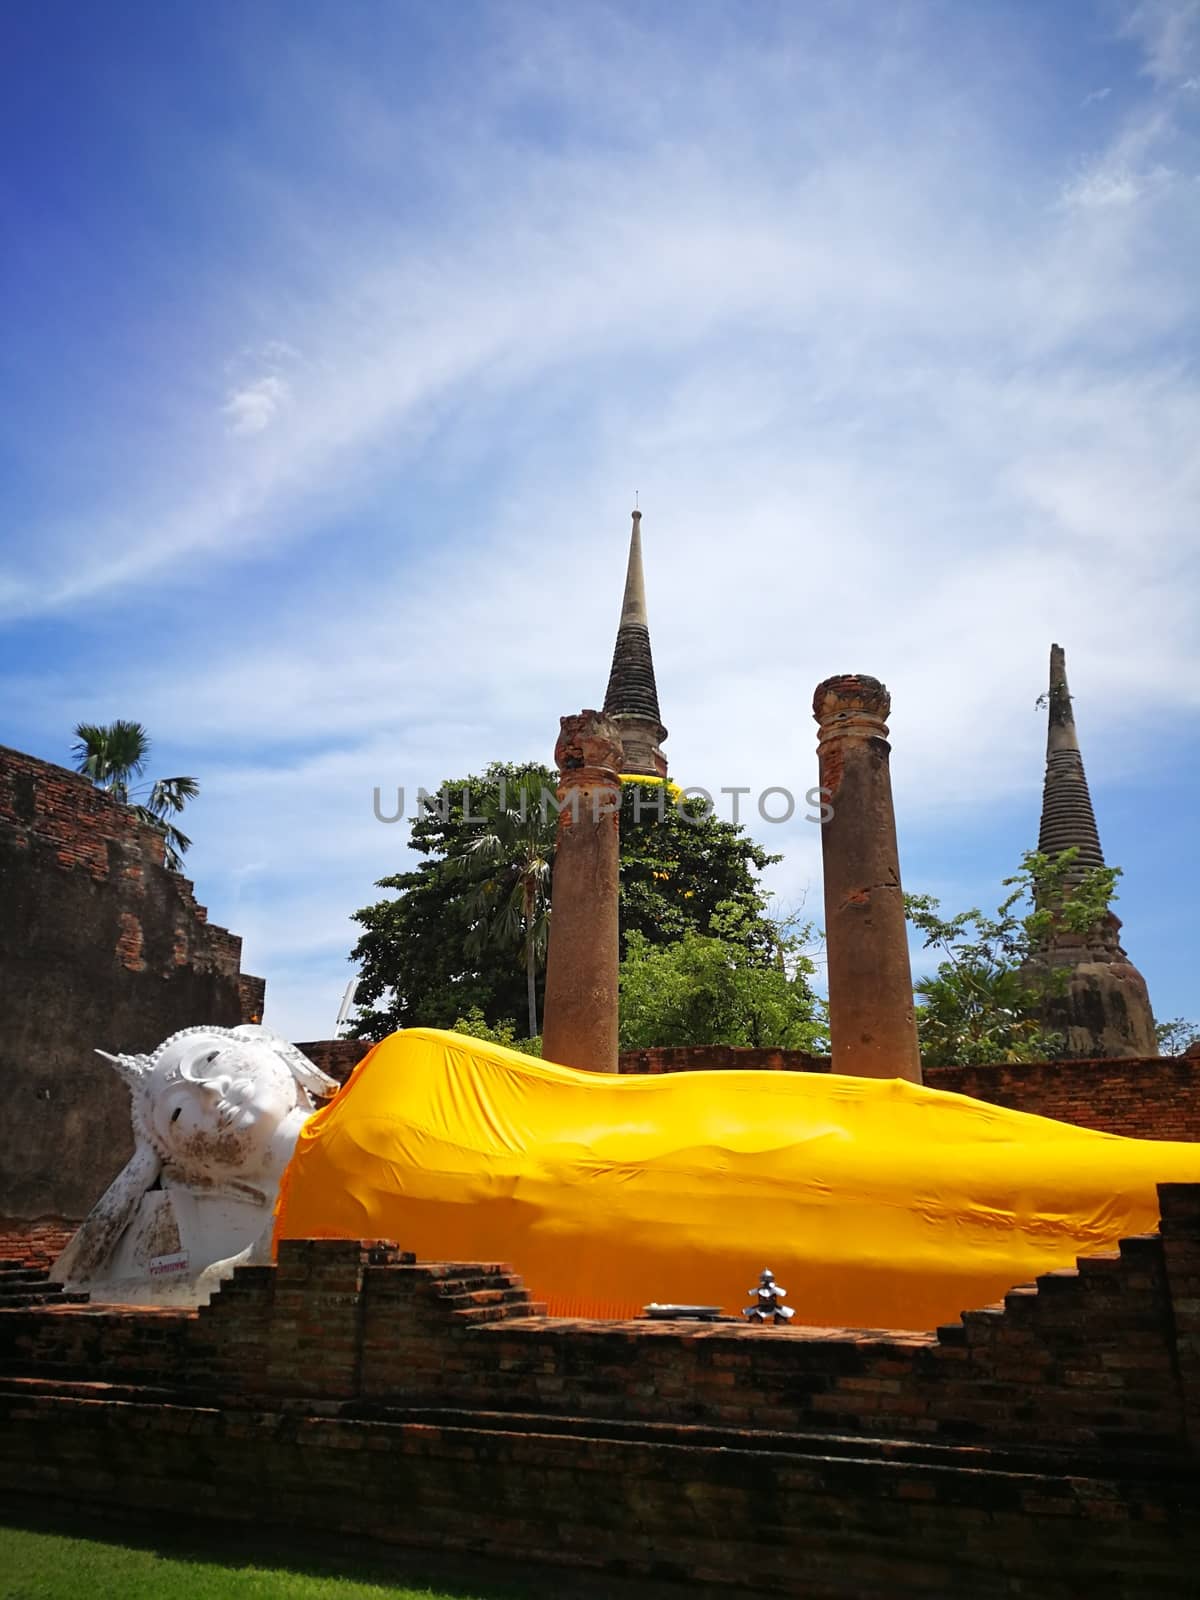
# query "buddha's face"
(216, 1104)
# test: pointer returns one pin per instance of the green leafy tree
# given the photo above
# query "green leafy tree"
(718, 988)
(505, 868)
(1176, 1037)
(684, 868)
(113, 755)
(984, 1001)
(476, 1026)
(416, 952)
(444, 942)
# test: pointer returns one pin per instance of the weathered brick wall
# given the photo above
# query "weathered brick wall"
(337, 1057)
(762, 1516)
(1045, 1447)
(1156, 1097)
(1083, 1358)
(1144, 1098)
(792, 1521)
(106, 1344)
(100, 945)
(718, 1057)
(34, 1243)
(1180, 1230)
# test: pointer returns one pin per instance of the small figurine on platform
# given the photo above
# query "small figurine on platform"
(767, 1305)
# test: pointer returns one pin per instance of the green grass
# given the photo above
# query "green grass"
(41, 1564)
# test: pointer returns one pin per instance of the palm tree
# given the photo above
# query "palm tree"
(509, 863)
(114, 754)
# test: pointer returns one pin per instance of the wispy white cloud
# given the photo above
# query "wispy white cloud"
(1109, 183)
(898, 394)
(1168, 32)
(255, 407)
(1110, 186)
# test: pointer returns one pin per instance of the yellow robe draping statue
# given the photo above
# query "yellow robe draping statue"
(876, 1203)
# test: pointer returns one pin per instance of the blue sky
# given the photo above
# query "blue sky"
(338, 339)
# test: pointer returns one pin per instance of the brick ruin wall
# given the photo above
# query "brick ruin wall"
(1046, 1445)
(1152, 1097)
(100, 945)
(718, 1057)
(337, 1057)
(33, 1244)
(1093, 1358)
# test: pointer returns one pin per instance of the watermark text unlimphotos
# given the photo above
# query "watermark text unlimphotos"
(695, 804)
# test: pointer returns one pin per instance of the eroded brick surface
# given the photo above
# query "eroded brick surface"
(100, 945)
(1046, 1445)
(1149, 1097)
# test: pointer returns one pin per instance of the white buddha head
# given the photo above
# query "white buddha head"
(222, 1104)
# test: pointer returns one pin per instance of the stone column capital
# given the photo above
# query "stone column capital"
(588, 752)
(851, 706)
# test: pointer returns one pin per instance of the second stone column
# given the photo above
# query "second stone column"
(581, 1008)
(872, 1022)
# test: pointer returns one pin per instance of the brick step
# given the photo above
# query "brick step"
(1107, 1265)
(517, 1295)
(1061, 1281)
(958, 1454)
(492, 1309)
(491, 1294)
(45, 1295)
(1139, 1246)
(1022, 1303)
(90, 1389)
(22, 1274)
(33, 1287)
(492, 1280)
(1001, 1460)
(472, 1313)
(983, 1316)
(452, 1271)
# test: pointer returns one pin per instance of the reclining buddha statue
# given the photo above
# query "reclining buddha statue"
(880, 1203)
(216, 1113)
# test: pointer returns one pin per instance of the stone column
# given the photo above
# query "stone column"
(872, 1025)
(579, 1026)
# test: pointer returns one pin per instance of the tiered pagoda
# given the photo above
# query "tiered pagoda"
(631, 700)
(1105, 1007)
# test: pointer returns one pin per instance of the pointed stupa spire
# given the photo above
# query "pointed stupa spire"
(1067, 816)
(1103, 1008)
(633, 607)
(632, 696)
